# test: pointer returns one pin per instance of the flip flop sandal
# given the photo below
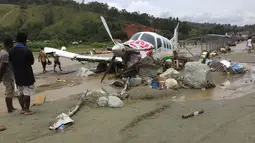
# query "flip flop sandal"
(28, 113)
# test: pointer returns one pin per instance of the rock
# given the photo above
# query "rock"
(223, 50)
(85, 72)
(171, 83)
(94, 95)
(171, 73)
(102, 101)
(197, 75)
(115, 102)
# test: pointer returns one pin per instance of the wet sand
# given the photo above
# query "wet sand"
(140, 121)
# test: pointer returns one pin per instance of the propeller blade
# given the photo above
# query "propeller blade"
(110, 66)
(107, 28)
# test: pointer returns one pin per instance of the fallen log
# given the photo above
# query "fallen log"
(192, 114)
(78, 105)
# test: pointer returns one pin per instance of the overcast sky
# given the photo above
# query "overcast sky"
(239, 12)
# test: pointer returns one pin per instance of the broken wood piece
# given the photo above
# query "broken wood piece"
(77, 106)
(2, 128)
(192, 114)
(39, 100)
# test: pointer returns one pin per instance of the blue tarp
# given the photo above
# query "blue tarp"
(237, 68)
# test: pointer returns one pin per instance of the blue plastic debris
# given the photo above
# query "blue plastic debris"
(154, 84)
(237, 68)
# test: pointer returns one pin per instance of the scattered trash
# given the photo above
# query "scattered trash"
(64, 119)
(171, 83)
(237, 68)
(39, 100)
(135, 81)
(118, 83)
(154, 85)
(171, 73)
(226, 83)
(115, 102)
(61, 127)
(94, 95)
(59, 80)
(192, 114)
(173, 97)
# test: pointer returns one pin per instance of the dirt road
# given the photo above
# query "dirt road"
(139, 121)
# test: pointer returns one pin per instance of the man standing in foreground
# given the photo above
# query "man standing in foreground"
(6, 74)
(22, 60)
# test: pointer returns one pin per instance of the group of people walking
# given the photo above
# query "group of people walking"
(43, 58)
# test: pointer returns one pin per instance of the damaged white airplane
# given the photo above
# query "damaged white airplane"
(131, 53)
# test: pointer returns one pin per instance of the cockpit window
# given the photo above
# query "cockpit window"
(148, 38)
(136, 36)
(159, 43)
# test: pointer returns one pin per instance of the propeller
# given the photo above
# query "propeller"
(114, 49)
(119, 50)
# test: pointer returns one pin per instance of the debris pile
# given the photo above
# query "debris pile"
(85, 72)
(103, 99)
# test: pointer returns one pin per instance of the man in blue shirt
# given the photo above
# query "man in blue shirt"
(22, 60)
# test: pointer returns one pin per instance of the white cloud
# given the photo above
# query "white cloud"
(239, 12)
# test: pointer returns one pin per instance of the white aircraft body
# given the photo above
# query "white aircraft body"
(140, 46)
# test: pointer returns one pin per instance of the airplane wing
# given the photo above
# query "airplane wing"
(78, 57)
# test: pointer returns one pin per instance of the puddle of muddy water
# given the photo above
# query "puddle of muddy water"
(240, 85)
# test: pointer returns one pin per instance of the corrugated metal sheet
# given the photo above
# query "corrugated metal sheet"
(217, 66)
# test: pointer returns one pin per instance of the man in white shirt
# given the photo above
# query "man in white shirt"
(249, 45)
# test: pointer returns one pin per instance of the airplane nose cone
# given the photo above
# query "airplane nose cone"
(117, 50)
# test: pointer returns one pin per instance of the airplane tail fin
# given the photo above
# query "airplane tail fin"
(174, 40)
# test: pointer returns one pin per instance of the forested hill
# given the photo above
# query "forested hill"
(68, 20)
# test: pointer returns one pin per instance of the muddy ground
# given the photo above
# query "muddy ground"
(150, 116)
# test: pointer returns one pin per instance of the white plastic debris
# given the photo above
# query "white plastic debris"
(62, 120)
(226, 63)
(115, 102)
(171, 83)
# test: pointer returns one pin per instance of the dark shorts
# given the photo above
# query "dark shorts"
(44, 64)
(56, 63)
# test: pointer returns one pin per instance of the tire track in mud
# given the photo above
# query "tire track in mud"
(145, 116)
(221, 127)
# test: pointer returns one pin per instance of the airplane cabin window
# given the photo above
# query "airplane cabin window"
(159, 43)
(135, 37)
(148, 38)
(167, 45)
(164, 44)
